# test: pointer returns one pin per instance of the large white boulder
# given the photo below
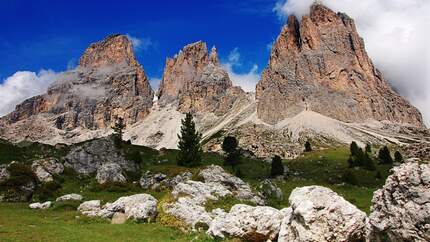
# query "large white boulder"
(189, 211)
(248, 223)
(69, 197)
(90, 208)
(137, 207)
(44, 205)
(110, 173)
(44, 169)
(401, 209)
(318, 214)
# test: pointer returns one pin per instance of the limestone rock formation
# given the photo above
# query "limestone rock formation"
(248, 223)
(88, 157)
(195, 81)
(401, 209)
(318, 214)
(90, 208)
(321, 64)
(108, 83)
(136, 207)
(45, 169)
(110, 173)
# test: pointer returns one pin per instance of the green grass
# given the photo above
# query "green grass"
(18, 223)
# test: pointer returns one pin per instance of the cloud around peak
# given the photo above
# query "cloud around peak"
(396, 36)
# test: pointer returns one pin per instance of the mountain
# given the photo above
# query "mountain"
(319, 85)
(321, 64)
(108, 83)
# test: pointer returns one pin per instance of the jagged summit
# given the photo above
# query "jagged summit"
(321, 64)
(195, 80)
(108, 83)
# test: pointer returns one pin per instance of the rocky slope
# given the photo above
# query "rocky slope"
(195, 81)
(108, 83)
(321, 64)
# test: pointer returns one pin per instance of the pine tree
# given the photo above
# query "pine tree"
(118, 129)
(190, 150)
(308, 147)
(277, 169)
(368, 148)
(368, 162)
(385, 156)
(229, 146)
(354, 148)
(398, 158)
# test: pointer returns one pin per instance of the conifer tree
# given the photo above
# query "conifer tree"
(277, 169)
(368, 148)
(229, 146)
(398, 158)
(308, 147)
(354, 148)
(190, 150)
(118, 129)
(385, 156)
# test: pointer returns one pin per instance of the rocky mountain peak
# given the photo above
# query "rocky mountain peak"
(114, 49)
(195, 80)
(320, 64)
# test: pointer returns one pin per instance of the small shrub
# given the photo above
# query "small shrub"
(46, 191)
(350, 178)
(368, 148)
(385, 156)
(308, 147)
(354, 148)
(398, 158)
(66, 205)
(277, 168)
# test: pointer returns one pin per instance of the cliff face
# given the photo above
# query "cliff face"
(321, 64)
(108, 83)
(195, 81)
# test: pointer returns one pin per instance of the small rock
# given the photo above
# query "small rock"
(90, 208)
(69, 197)
(119, 218)
(269, 189)
(44, 205)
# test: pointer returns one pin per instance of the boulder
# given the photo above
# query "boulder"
(240, 189)
(44, 169)
(110, 173)
(200, 191)
(69, 197)
(151, 181)
(90, 208)
(183, 177)
(138, 207)
(44, 205)
(269, 189)
(318, 214)
(401, 208)
(119, 218)
(248, 223)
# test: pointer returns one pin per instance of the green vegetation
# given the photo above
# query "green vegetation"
(277, 169)
(308, 147)
(118, 129)
(229, 146)
(398, 158)
(385, 156)
(190, 149)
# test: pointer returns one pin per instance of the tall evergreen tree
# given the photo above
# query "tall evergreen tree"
(368, 148)
(229, 146)
(398, 158)
(354, 148)
(277, 169)
(385, 156)
(190, 150)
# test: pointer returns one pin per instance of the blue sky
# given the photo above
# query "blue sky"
(42, 34)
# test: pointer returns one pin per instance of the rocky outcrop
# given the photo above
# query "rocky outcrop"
(45, 169)
(195, 80)
(108, 83)
(44, 205)
(401, 209)
(4, 173)
(69, 197)
(248, 223)
(269, 190)
(321, 64)
(190, 197)
(110, 173)
(139, 207)
(318, 214)
(88, 157)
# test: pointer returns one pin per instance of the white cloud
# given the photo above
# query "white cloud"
(396, 33)
(246, 80)
(140, 44)
(22, 85)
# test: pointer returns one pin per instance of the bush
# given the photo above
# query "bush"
(308, 147)
(46, 191)
(385, 156)
(368, 148)
(277, 168)
(398, 158)
(354, 148)
(350, 178)
(229, 146)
